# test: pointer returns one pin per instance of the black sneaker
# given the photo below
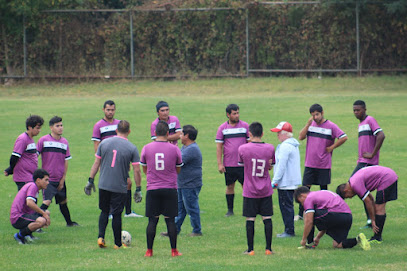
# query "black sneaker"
(73, 224)
(20, 240)
(229, 213)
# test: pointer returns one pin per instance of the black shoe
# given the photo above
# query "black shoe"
(229, 213)
(73, 224)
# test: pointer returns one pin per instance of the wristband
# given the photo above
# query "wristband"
(138, 188)
(91, 180)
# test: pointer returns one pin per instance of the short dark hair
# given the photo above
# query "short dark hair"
(162, 128)
(316, 107)
(161, 104)
(300, 190)
(109, 102)
(54, 120)
(33, 120)
(340, 190)
(360, 102)
(40, 173)
(256, 129)
(231, 107)
(123, 127)
(190, 131)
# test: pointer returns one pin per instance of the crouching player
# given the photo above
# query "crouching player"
(366, 180)
(329, 212)
(25, 214)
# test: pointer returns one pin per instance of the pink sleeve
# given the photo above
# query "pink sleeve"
(96, 133)
(20, 145)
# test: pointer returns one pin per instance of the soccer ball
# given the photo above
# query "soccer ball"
(126, 238)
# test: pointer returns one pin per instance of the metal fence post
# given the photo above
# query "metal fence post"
(131, 45)
(25, 47)
(357, 40)
(247, 42)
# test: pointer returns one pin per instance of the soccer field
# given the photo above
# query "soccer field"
(202, 103)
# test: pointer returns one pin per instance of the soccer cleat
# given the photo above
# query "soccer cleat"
(40, 231)
(285, 235)
(175, 252)
(164, 234)
(28, 239)
(308, 246)
(20, 240)
(110, 217)
(229, 213)
(101, 242)
(133, 214)
(122, 246)
(362, 241)
(73, 224)
(247, 252)
(297, 218)
(149, 253)
(269, 252)
(368, 225)
(374, 240)
(194, 234)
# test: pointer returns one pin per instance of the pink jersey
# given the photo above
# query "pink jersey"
(372, 178)
(19, 206)
(325, 201)
(104, 129)
(368, 130)
(161, 159)
(25, 148)
(318, 138)
(54, 153)
(173, 125)
(232, 137)
(257, 158)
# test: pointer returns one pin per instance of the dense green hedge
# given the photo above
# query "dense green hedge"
(207, 42)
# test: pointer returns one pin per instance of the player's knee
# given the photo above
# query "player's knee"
(41, 221)
(46, 202)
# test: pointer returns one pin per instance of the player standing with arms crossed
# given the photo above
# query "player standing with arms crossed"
(106, 128)
(24, 159)
(161, 163)
(54, 150)
(370, 140)
(257, 158)
(114, 156)
(320, 134)
(230, 136)
(163, 112)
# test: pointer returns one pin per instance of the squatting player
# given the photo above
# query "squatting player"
(163, 112)
(370, 140)
(230, 136)
(25, 214)
(366, 180)
(332, 216)
(114, 156)
(320, 134)
(106, 128)
(257, 158)
(24, 159)
(54, 150)
(161, 163)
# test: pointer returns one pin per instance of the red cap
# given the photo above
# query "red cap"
(283, 126)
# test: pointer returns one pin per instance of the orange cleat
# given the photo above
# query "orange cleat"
(175, 252)
(251, 253)
(149, 253)
(269, 252)
(101, 242)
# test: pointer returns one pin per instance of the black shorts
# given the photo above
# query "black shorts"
(337, 225)
(259, 206)
(234, 174)
(162, 202)
(52, 191)
(388, 194)
(20, 185)
(359, 166)
(318, 176)
(25, 220)
(111, 202)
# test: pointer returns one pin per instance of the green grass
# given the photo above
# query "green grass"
(202, 103)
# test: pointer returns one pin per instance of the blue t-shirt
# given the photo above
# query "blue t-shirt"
(191, 172)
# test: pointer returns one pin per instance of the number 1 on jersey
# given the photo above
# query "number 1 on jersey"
(114, 158)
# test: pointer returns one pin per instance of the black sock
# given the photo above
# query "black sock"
(229, 200)
(151, 230)
(65, 212)
(323, 187)
(310, 237)
(172, 231)
(103, 220)
(24, 232)
(268, 231)
(349, 243)
(117, 229)
(250, 234)
(380, 219)
(128, 202)
(44, 207)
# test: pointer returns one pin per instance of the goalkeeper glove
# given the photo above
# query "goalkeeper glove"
(137, 195)
(89, 186)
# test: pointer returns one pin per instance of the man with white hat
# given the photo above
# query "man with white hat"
(287, 174)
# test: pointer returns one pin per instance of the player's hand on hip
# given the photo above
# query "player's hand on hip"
(89, 186)
(138, 197)
(367, 155)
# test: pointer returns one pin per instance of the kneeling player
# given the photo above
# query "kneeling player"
(25, 214)
(329, 212)
(382, 179)
(257, 158)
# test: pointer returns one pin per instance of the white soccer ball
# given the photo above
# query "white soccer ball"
(126, 238)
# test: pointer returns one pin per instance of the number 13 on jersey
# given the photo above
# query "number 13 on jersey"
(258, 166)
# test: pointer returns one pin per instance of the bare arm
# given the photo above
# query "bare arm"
(175, 136)
(369, 201)
(178, 170)
(95, 168)
(379, 141)
(62, 181)
(137, 174)
(304, 131)
(308, 224)
(96, 145)
(33, 206)
(337, 143)
(219, 153)
(145, 169)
